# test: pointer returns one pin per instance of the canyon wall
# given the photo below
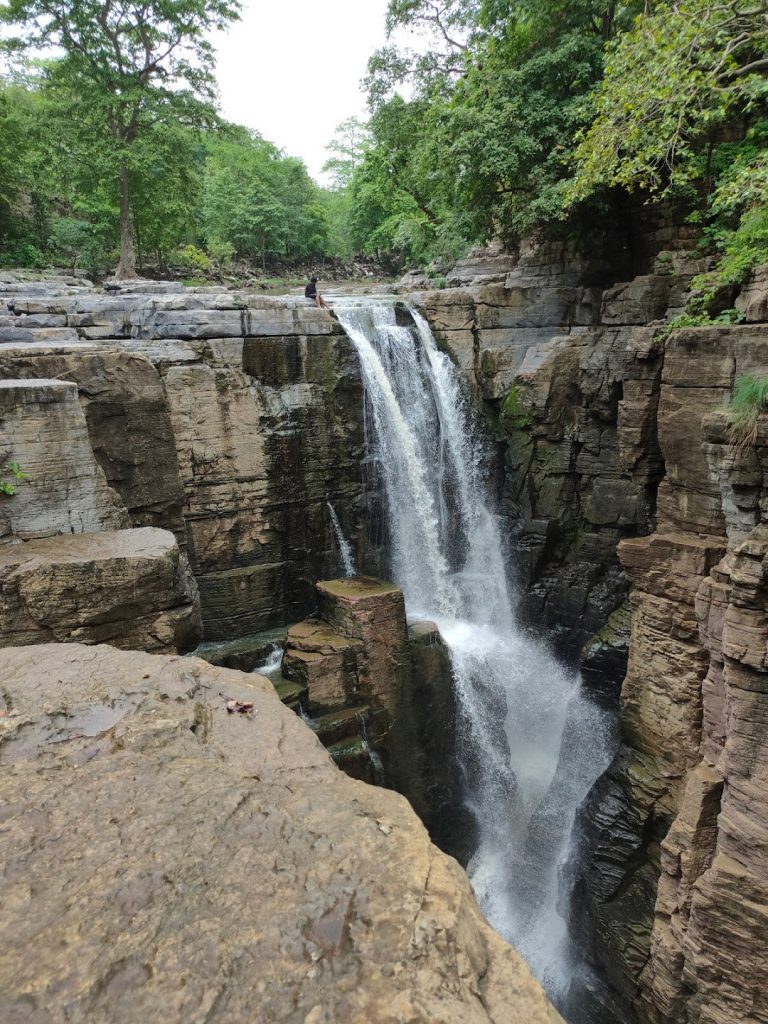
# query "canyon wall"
(229, 419)
(180, 452)
(177, 843)
(638, 530)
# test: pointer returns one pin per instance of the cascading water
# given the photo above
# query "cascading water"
(531, 744)
(345, 548)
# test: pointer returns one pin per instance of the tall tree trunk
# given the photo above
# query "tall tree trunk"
(126, 268)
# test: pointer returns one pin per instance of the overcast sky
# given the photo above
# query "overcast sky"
(291, 69)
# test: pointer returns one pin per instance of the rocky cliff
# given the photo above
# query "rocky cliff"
(569, 374)
(619, 481)
(227, 418)
(199, 439)
(177, 843)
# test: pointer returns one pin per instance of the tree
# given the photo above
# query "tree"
(347, 150)
(134, 64)
(259, 201)
(485, 145)
(670, 84)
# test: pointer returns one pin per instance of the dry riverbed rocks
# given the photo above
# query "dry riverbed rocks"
(164, 860)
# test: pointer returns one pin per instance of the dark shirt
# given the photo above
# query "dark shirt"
(310, 292)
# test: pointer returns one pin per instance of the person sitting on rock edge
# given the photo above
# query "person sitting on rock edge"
(311, 293)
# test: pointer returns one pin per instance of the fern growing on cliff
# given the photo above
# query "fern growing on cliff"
(748, 401)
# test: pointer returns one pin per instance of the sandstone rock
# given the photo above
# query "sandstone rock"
(373, 612)
(582, 471)
(741, 473)
(638, 301)
(259, 454)
(695, 675)
(712, 908)
(700, 365)
(44, 335)
(424, 742)
(604, 657)
(323, 662)
(43, 429)
(490, 261)
(129, 588)
(753, 300)
(172, 861)
(128, 424)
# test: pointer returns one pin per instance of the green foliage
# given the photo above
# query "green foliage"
(192, 258)
(484, 146)
(746, 247)
(696, 319)
(221, 253)
(748, 402)
(8, 487)
(347, 149)
(669, 83)
(258, 201)
(218, 188)
(515, 411)
(128, 70)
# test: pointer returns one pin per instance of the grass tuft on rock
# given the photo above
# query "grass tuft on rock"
(748, 401)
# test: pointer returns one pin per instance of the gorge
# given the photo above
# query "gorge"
(548, 482)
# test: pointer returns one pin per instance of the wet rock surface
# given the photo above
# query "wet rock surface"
(663, 928)
(380, 695)
(173, 861)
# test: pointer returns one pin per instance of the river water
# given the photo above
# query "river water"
(531, 742)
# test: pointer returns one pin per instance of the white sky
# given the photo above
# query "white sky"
(291, 69)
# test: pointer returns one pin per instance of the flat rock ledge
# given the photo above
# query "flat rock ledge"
(164, 859)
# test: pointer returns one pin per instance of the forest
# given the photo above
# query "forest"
(506, 119)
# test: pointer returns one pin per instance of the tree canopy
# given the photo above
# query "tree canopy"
(489, 119)
(520, 116)
(128, 68)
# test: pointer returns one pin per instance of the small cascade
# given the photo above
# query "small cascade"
(345, 548)
(531, 743)
(271, 667)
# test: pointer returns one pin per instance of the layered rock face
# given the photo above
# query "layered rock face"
(619, 465)
(187, 863)
(379, 694)
(71, 568)
(571, 374)
(229, 419)
(128, 588)
(667, 797)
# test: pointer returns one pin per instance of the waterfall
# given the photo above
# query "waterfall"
(345, 548)
(531, 744)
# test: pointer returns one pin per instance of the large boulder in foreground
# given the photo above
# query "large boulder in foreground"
(165, 859)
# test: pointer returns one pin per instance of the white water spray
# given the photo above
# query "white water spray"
(523, 782)
(273, 664)
(345, 548)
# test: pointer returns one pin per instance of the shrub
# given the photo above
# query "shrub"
(22, 254)
(9, 486)
(748, 401)
(192, 258)
(222, 253)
